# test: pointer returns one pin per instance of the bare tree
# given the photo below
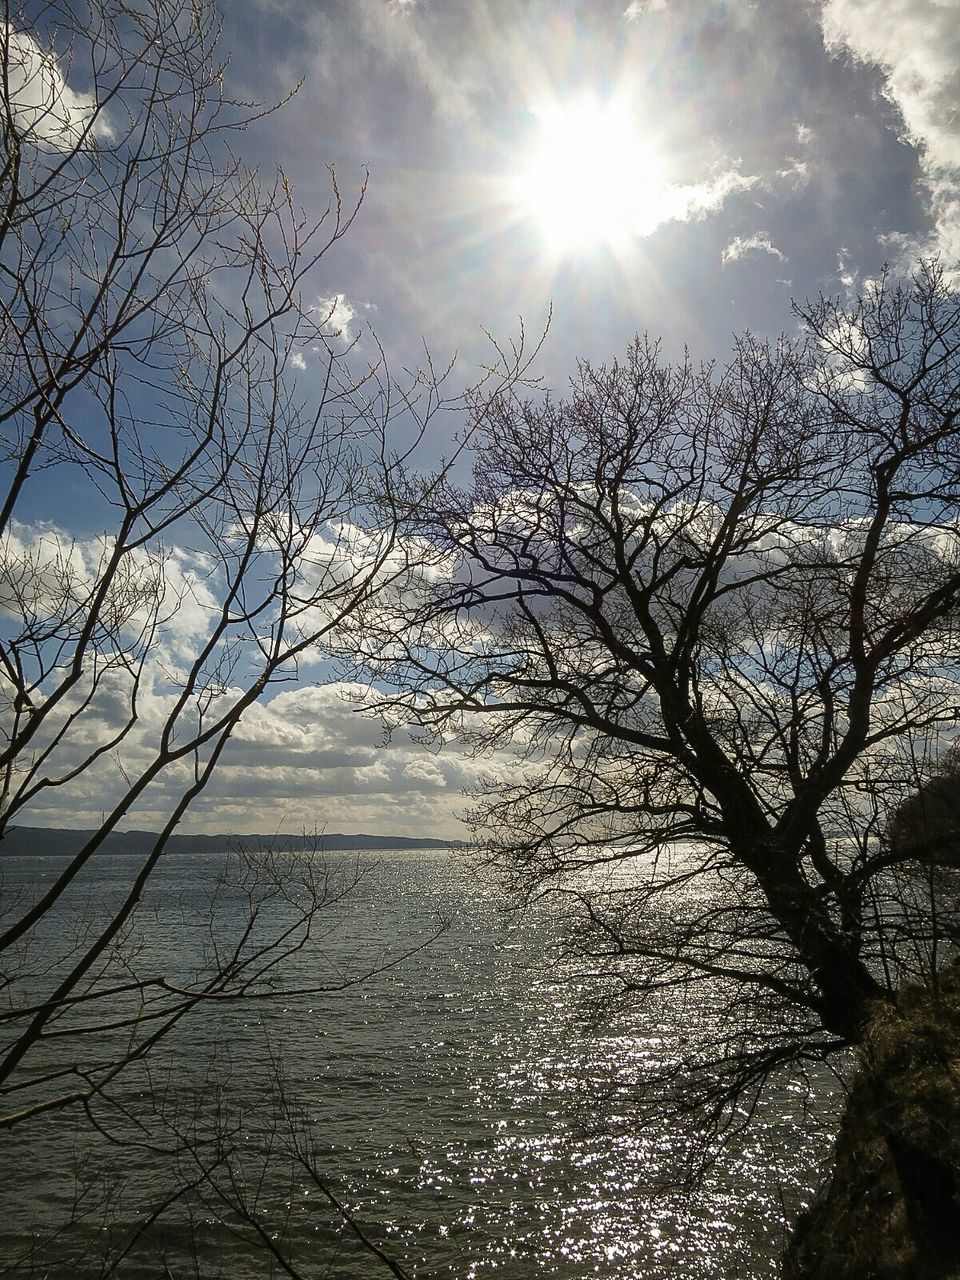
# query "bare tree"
(704, 621)
(151, 302)
(196, 495)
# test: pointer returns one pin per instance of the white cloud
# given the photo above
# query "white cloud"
(308, 757)
(637, 8)
(43, 104)
(45, 574)
(300, 758)
(749, 246)
(425, 771)
(847, 274)
(916, 43)
(687, 202)
(335, 313)
(298, 361)
(795, 171)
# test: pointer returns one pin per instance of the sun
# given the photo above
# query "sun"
(591, 179)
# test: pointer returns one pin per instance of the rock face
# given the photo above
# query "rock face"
(891, 1210)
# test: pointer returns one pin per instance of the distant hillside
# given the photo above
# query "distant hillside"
(25, 841)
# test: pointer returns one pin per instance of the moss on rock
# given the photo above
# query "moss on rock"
(891, 1209)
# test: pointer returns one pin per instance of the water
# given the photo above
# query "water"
(451, 1102)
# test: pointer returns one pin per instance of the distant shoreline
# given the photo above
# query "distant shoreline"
(48, 841)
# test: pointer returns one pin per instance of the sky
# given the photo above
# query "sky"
(770, 150)
(680, 167)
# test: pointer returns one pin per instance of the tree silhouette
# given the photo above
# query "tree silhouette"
(195, 494)
(702, 620)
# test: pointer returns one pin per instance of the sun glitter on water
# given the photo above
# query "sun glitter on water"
(591, 179)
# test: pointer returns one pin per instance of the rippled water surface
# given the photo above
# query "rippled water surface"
(451, 1102)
